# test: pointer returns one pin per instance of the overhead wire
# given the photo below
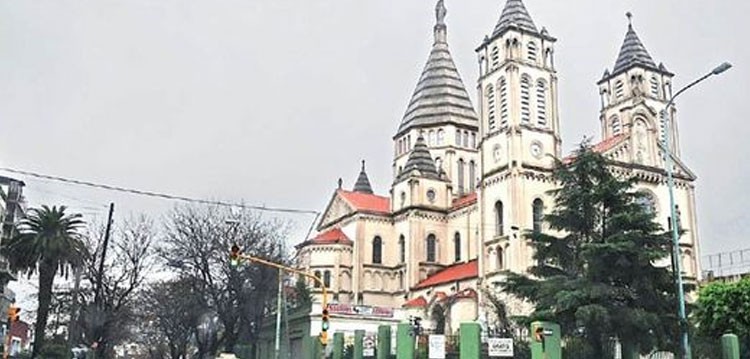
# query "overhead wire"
(157, 194)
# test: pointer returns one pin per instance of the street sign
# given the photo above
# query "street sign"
(436, 347)
(500, 347)
(368, 346)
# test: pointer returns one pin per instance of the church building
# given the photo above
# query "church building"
(469, 179)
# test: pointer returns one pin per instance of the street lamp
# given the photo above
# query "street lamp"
(673, 211)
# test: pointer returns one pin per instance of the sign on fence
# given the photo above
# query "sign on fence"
(500, 347)
(436, 347)
(368, 346)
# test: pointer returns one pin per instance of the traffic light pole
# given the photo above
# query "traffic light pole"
(292, 270)
(235, 254)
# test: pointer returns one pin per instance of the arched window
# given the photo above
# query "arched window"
(466, 138)
(458, 137)
(503, 89)
(472, 176)
(490, 107)
(402, 248)
(500, 262)
(541, 103)
(531, 51)
(401, 280)
(408, 142)
(440, 137)
(431, 248)
(647, 202)
(495, 57)
(616, 125)
(525, 100)
(377, 250)
(654, 86)
(317, 274)
(457, 246)
(538, 211)
(619, 90)
(473, 140)
(460, 176)
(499, 228)
(327, 279)
(431, 136)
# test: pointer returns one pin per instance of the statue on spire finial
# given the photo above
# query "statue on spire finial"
(630, 18)
(363, 165)
(440, 12)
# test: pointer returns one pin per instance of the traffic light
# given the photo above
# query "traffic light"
(324, 327)
(13, 313)
(416, 326)
(234, 256)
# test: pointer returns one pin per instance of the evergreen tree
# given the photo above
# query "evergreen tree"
(594, 271)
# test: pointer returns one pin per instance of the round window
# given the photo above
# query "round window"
(431, 195)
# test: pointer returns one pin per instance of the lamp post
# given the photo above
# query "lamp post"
(673, 211)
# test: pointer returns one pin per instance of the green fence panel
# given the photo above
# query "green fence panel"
(384, 342)
(730, 347)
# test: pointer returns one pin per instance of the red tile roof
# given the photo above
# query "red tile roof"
(451, 274)
(466, 293)
(418, 302)
(367, 202)
(331, 236)
(464, 201)
(600, 147)
(607, 144)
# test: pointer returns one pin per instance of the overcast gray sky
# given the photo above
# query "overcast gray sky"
(270, 101)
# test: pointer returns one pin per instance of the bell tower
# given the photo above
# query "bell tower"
(632, 97)
(518, 91)
(520, 134)
(440, 110)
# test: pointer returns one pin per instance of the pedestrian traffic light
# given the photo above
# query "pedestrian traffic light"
(323, 338)
(324, 327)
(234, 256)
(13, 313)
(539, 337)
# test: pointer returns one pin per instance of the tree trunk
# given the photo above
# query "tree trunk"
(46, 277)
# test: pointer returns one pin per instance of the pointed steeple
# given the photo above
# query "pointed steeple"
(514, 15)
(632, 52)
(440, 96)
(420, 160)
(363, 183)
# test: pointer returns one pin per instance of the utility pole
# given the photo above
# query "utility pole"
(97, 295)
(278, 315)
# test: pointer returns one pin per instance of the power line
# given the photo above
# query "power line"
(157, 194)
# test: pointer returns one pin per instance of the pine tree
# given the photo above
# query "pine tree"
(595, 273)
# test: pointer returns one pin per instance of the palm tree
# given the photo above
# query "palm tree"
(47, 241)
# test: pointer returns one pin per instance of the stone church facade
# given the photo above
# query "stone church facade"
(470, 179)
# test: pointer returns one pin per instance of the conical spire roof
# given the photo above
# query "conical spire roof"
(420, 160)
(440, 96)
(514, 15)
(363, 183)
(632, 52)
